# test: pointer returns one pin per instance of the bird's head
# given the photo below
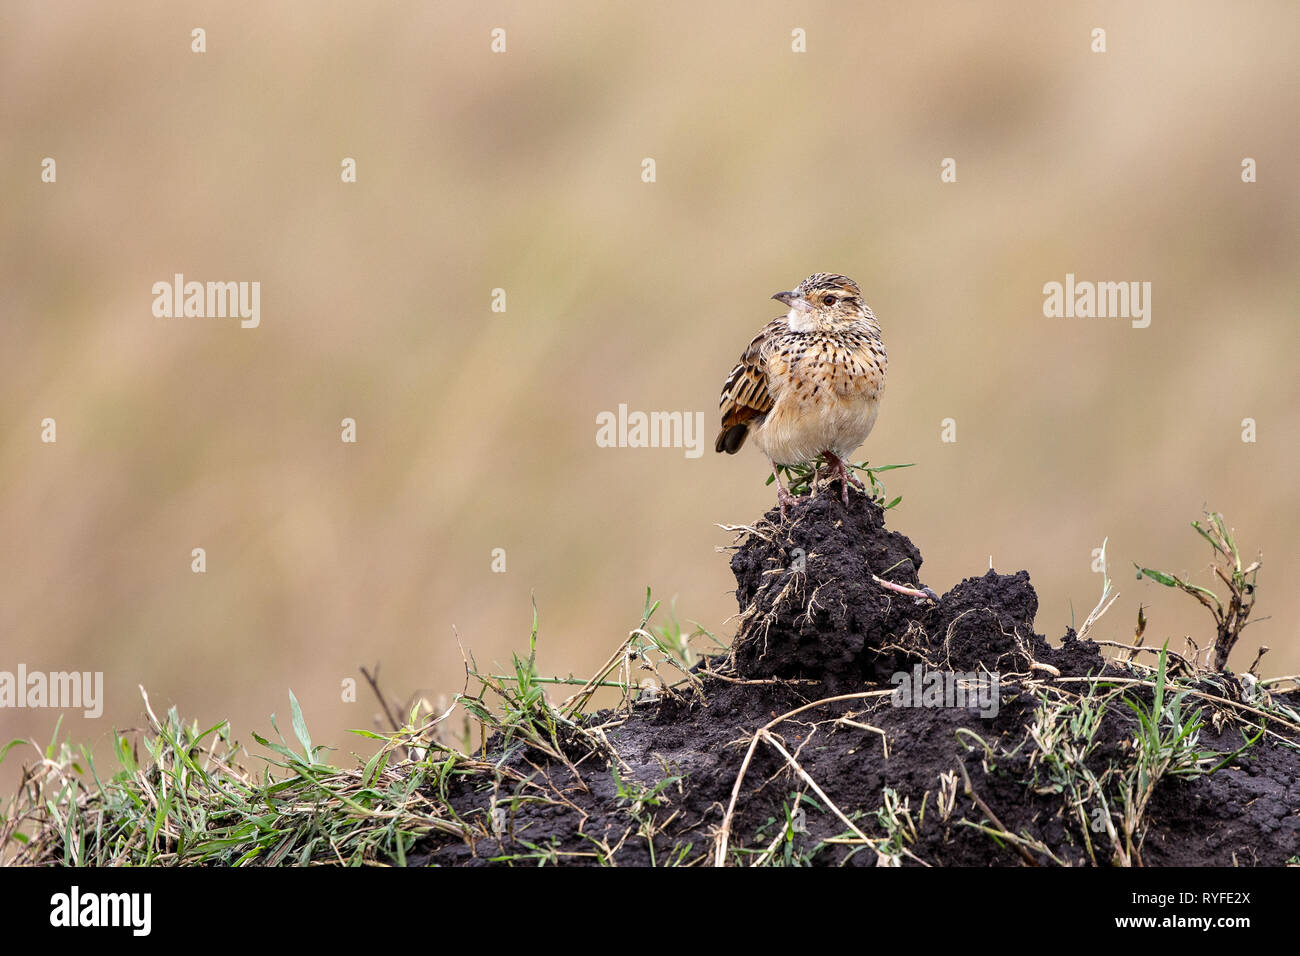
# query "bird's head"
(824, 300)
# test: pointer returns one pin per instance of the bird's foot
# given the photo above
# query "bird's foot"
(785, 500)
(845, 476)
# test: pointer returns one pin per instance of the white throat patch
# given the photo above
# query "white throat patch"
(799, 321)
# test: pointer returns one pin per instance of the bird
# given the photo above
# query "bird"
(809, 384)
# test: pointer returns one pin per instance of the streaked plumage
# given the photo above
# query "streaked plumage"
(809, 383)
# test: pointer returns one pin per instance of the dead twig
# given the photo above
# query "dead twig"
(988, 812)
(724, 830)
(924, 593)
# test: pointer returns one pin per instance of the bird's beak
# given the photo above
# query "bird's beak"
(793, 300)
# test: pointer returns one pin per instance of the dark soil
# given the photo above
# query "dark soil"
(830, 629)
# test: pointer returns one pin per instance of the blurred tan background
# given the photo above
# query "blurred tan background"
(522, 170)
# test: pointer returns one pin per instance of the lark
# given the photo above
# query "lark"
(809, 384)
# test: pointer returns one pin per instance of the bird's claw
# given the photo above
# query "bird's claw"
(785, 500)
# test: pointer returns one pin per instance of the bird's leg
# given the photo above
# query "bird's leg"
(844, 475)
(783, 496)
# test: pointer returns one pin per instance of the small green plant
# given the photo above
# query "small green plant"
(1109, 794)
(799, 479)
(1064, 734)
(521, 710)
(1229, 619)
(901, 831)
(638, 796)
(641, 801)
(1165, 745)
(783, 849)
(188, 800)
(672, 641)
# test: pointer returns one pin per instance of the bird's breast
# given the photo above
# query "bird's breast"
(827, 390)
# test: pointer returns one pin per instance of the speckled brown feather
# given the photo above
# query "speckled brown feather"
(745, 396)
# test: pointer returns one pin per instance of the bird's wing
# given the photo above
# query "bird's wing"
(745, 396)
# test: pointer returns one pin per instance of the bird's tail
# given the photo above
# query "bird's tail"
(730, 439)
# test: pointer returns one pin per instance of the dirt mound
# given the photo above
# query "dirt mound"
(810, 606)
(791, 748)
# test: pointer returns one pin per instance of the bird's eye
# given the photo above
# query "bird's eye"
(829, 300)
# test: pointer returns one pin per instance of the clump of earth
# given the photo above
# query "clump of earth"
(836, 628)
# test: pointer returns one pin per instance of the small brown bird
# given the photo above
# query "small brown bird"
(810, 382)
